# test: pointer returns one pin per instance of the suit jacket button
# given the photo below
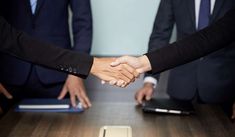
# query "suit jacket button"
(70, 69)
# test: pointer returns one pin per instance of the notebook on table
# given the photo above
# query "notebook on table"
(47, 105)
(168, 106)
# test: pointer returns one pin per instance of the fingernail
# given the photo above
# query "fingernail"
(148, 98)
(102, 82)
(112, 63)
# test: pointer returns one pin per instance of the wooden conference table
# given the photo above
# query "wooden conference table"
(209, 121)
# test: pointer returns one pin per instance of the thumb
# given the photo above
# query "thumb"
(118, 61)
(140, 70)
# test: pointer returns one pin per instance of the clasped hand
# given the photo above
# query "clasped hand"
(120, 71)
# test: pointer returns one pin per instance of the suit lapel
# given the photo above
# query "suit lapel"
(191, 7)
(28, 8)
(217, 7)
(38, 7)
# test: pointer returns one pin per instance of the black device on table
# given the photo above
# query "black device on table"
(168, 106)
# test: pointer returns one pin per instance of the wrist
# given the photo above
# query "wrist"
(145, 63)
(93, 67)
(148, 84)
(152, 80)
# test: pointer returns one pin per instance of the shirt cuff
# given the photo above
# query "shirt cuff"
(152, 80)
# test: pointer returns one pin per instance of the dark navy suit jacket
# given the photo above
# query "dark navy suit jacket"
(49, 24)
(212, 77)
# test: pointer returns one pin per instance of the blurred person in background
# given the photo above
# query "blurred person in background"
(210, 79)
(47, 20)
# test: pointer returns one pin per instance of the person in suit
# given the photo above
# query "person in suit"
(48, 21)
(203, 78)
(22, 46)
(219, 35)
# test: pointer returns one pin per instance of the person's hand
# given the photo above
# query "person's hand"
(141, 64)
(120, 75)
(74, 85)
(5, 92)
(233, 112)
(145, 93)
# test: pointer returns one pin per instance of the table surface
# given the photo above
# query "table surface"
(209, 121)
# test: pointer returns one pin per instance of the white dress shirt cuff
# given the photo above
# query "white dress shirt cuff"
(152, 80)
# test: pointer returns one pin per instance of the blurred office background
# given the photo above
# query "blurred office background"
(122, 27)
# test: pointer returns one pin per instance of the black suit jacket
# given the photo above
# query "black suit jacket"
(212, 76)
(49, 24)
(24, 47)
(217, 36)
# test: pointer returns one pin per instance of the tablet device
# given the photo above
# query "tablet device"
(47, 105)
(168, 106)
(115, 131)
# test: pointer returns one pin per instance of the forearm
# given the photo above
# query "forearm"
(199, 44)
(24, 47)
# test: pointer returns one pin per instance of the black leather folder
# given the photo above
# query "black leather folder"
(168, 106)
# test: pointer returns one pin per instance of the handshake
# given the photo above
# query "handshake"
(120, 71)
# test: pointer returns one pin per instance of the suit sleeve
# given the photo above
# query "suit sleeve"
(162, 29)
(81, 25)
(208, 40)
(24, 47)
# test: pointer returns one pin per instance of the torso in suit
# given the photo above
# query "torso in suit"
(211, 77)
(22, 46)
(50, 24)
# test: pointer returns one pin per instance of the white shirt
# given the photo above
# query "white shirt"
(33, 4)
(154, 81)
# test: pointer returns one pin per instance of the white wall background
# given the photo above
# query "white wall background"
(122, 27)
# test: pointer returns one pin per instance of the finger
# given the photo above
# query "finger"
(128, 73)
(124, 85)
(122, 77)
(80, 96)
(73, 99)
(140, 70)
(6, 93)
(81, 99)
(149, 94)
(63, 93)
(140, 97)
(120, 83)
(86, 99)
(132, 70)
(118, 61)
(112, 82)
(103, 82)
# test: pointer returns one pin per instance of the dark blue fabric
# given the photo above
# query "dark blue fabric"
(204, 14)
(213, 77)
(49, 24)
